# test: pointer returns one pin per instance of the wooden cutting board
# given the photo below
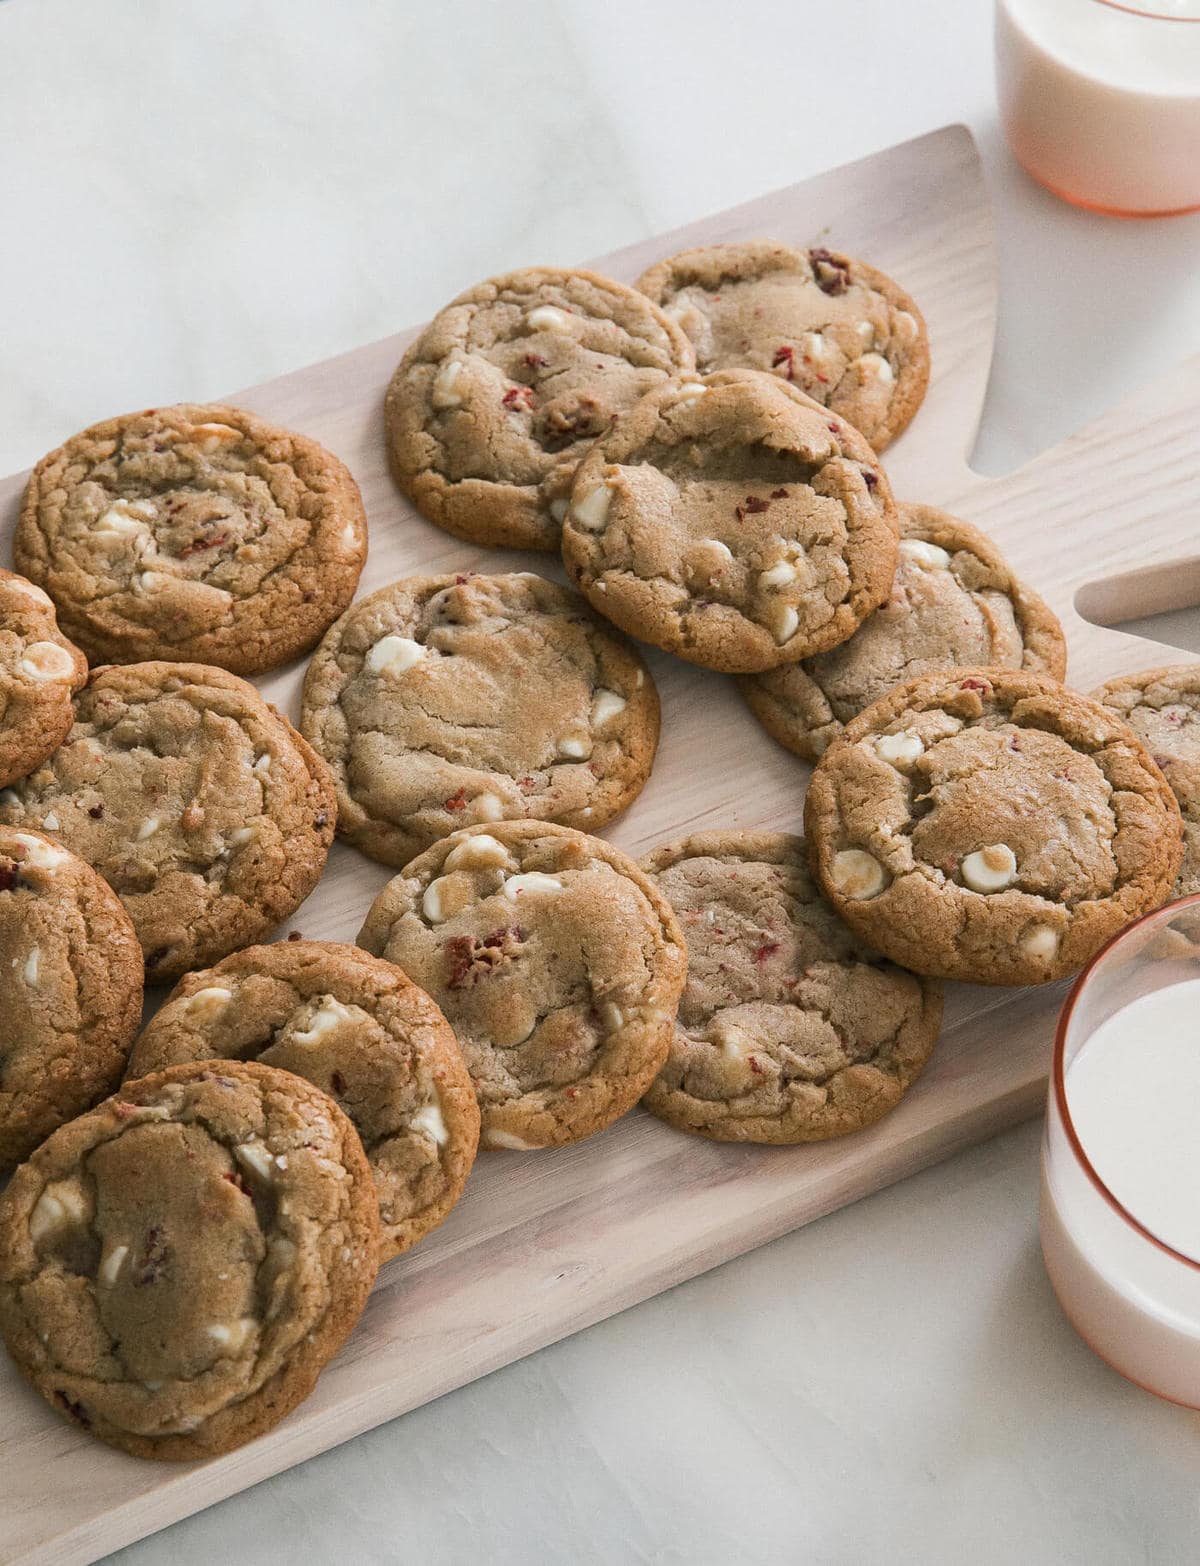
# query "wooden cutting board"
(543, 1245)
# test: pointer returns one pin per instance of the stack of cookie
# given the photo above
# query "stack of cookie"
(703, 450)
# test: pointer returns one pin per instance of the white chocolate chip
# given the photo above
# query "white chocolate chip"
(211, 436)
(590, 511)
(207, 1003)
(50, 823)
(41, 855)
(329, 1013)
(548, 318)
(815, 345)
(122, 520)
(931, 556)
(430, 1120)
(906, 326)
(394, 655)
(488, 807)
(47, 661)
(717, 547)
(20, 585)
(785, 622)
(148, 581)
(611, 1016)
(558, 509)
(507, 1140)
(990, 869)
(257, 1158)
(606, 705)
(30, 971)
(148, 828)
(532, 881)
(60, 1204)
(732, 1040)
(575, 746)
(442, 394)
(479, 851)
(262, 764)
(689, 394)
(1041, 942)
(240, 836)
(899, 750)
(233, 1335)
(857, 874)
(434, 905)
(110, 1264)
(866, 331)
(875, 364)
(775, 576)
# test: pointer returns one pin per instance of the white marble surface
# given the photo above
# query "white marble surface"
(196, 198)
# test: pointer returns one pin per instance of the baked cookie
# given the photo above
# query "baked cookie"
(990, 825)
(201, 806)
(203, 534)
(364, 1034)
(1162, 707)
(177, 1266)
(70, 990)
(790, 1029)
(40, 670)
(496, 401)
(733, 522)
(556, 962)
(837, 328)
(445, 700)
(954, 602)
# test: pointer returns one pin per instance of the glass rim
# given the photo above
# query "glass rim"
(1058, 1070)
(1133, 9)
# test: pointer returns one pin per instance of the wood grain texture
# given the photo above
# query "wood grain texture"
(543, 1245)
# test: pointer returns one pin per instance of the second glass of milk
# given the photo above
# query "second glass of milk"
(1101, 100)
(1120, 1210)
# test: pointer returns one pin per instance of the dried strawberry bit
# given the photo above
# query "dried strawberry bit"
(518, 397)
(765, 951)
(527, 784)
(460, 954)
(123, 1110)
(752, 506)
(779, 494)
(977, 685)
(199, 546)
(152, 1259)
(784, 360)
(832, 275)
(457, 801)
(755, 1065)
(469, 959)
(9, 875)
(462, 578)
(870, 478)
(236, 1180)
(96, 812)
(535, 361)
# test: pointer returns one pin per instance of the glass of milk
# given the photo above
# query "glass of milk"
(1120, 1208)
(1101, 100)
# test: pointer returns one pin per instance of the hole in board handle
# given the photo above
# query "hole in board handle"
(1159, 602)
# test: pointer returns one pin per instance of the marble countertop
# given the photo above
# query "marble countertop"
(198, 198)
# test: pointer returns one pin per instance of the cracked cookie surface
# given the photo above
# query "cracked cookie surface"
(199, 804)
(790, 1029)
(838, 329)
(177, 1266)
(494, 404)
(954, 603)
(991, 826)
(70, 990)
(1162, 707)
(40, 670)
(448, 700)
(555, 960)
(359, 1030)
(197, 533)
(733, 522)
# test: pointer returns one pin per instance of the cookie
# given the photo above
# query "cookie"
(733, 522)
(1162, 707)
(446, 700)
(364, 1034)
(790, 1029)
(202, 534)
(496, 401)
(836, 328)
(954, 602)
(556, 962)
(177, 1266)
(990, 825)
(70, 990)
(201, 806)
(40, 670)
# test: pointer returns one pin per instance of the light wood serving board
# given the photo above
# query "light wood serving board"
(543, 1245)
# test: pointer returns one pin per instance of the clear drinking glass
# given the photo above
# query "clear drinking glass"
(1100, 100)
(1131, 1296)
